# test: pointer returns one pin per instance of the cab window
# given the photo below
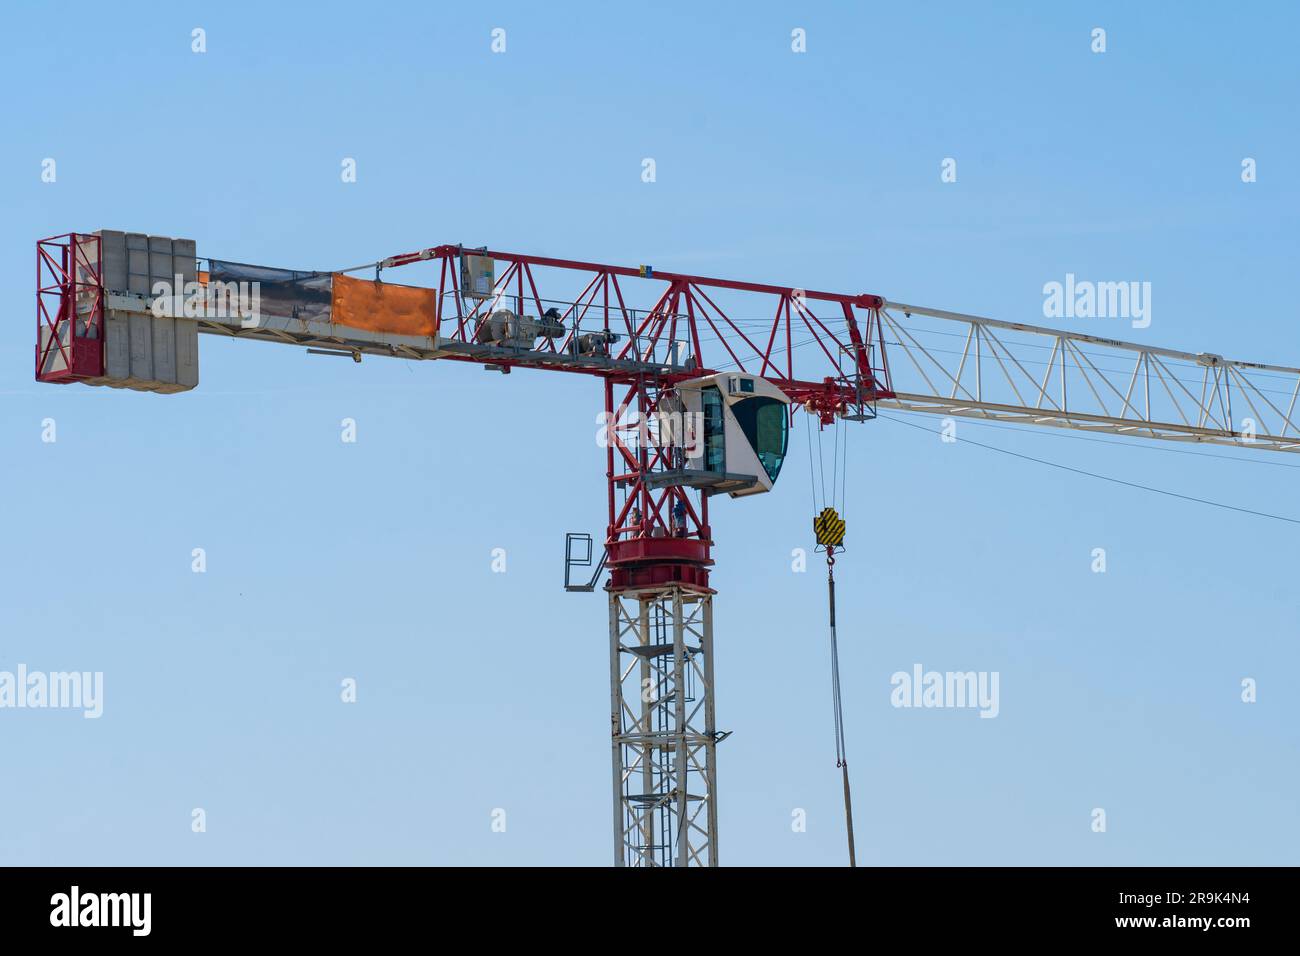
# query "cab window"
(715, 431)
(764, 422)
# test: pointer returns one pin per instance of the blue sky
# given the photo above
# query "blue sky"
(372, 560)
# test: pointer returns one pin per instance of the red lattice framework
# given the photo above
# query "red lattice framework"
(69, 309)
(830, 366)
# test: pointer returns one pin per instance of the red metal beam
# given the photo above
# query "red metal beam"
(860, 300)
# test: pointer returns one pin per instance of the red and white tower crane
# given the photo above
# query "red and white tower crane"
(728, 361)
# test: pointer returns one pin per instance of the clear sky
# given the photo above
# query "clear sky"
(372, 561)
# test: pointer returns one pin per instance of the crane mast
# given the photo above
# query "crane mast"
(839, 356)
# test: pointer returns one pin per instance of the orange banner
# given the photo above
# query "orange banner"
(384, 307)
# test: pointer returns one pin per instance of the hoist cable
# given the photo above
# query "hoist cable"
(821, 460)
(846, 480)
(835, 468)
(812, 478)
(841, 755)
(839, 492)
(844, 469)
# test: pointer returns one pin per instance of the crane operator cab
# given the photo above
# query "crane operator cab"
(727, 432)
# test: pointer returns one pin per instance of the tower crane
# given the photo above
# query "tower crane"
(700, 377)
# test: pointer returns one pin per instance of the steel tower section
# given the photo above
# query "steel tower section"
(663, 732)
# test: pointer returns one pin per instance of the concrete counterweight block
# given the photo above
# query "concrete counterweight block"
(143, 351)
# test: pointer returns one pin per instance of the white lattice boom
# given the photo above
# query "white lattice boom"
(954, 364)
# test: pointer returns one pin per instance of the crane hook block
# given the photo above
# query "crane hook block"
(829, 528)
